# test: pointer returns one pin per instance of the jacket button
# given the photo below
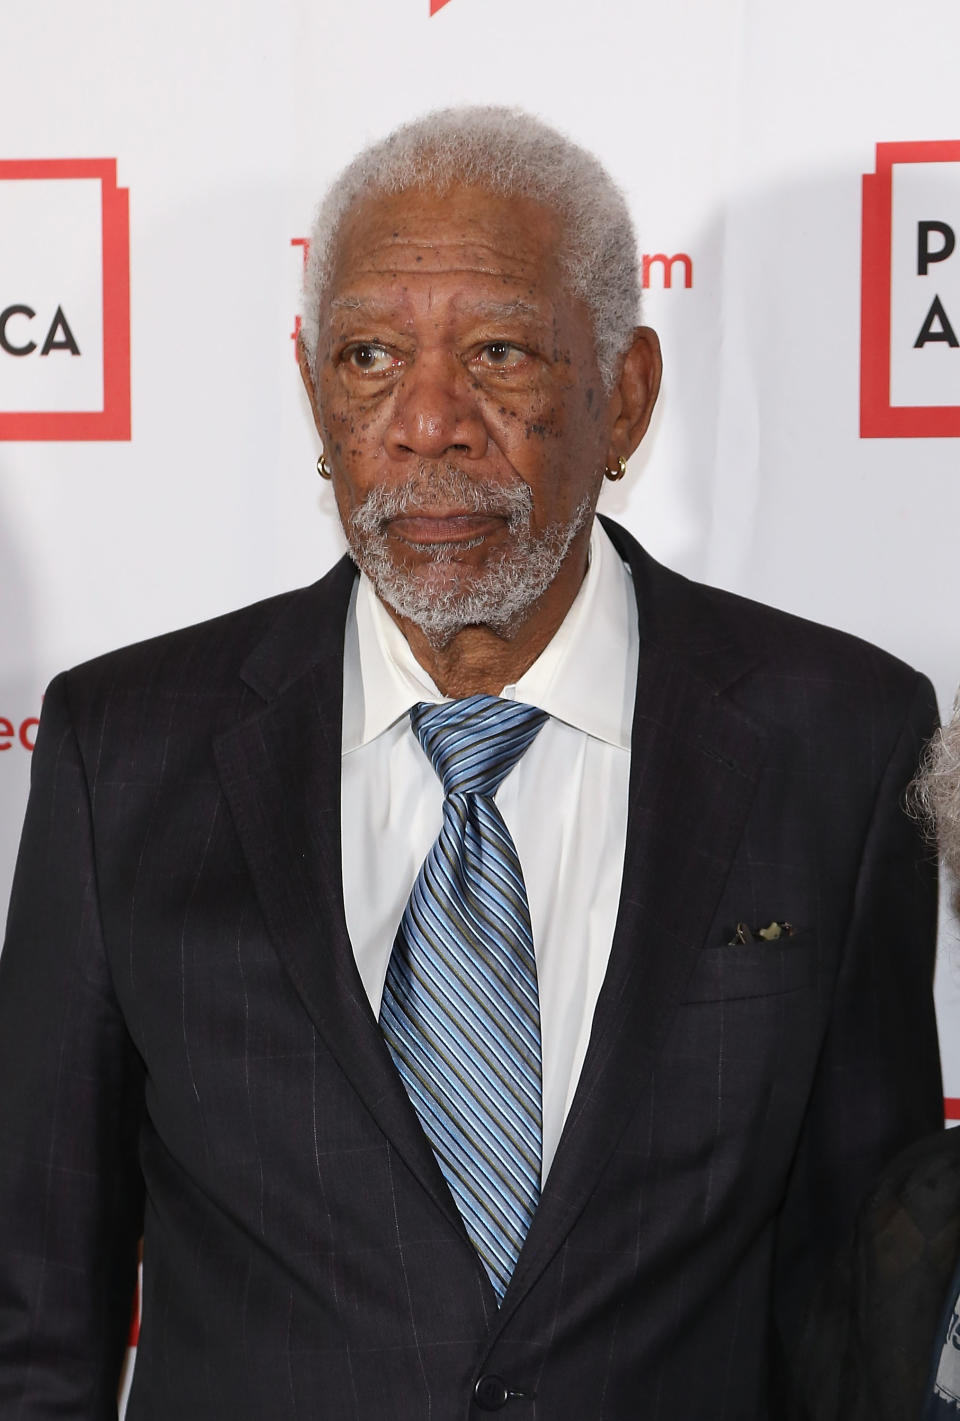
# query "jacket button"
(491, 1393)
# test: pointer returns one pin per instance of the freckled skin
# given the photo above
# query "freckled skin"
(448, 335)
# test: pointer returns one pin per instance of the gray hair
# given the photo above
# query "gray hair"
(507, 152)
(935, 794)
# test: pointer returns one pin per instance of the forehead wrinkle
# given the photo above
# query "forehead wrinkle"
(436, 249)
(461, 305)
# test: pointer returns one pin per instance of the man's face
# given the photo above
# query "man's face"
(459, 401)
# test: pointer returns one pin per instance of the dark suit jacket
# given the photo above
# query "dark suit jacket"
(179, 1005)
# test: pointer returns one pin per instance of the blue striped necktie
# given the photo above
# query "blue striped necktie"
(460, 1009)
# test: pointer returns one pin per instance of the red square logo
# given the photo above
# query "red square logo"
(64, 300)
(910, 293)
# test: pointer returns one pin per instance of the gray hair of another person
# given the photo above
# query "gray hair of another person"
(935, 795)
(510, 153)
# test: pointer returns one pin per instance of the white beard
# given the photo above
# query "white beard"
(435, 597)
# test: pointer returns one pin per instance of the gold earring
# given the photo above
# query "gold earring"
(323, 468)
(615, 474)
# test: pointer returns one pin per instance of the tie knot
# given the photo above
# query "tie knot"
(473, 744)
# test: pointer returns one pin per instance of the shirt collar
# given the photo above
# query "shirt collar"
(585, 675)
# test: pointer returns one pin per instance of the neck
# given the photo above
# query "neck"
(478, 659)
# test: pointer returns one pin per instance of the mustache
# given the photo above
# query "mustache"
(445, 483)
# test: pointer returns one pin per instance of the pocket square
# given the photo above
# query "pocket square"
(744, 934)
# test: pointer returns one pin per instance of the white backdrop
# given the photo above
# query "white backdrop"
(741, 132)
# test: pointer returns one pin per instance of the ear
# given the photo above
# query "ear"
(636, 393)
(304, 365)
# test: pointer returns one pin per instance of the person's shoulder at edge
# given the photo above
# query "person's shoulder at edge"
(217, 650)
(727, 635)
(867, 1347)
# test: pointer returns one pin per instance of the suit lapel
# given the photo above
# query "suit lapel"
(695, 759)
(280, 773)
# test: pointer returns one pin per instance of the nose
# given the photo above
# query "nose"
(435, 412)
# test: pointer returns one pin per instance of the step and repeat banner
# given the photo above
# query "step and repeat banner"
(795, 177)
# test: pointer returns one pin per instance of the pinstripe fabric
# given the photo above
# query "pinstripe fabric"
(460, 1011)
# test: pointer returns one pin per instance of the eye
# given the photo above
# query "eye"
(500, 355)
(368, 358)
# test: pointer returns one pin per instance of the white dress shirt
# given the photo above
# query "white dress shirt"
(565, 802)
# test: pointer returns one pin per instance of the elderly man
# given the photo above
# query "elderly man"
(490, 981)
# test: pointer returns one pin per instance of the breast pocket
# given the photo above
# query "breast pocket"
(752, 970)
